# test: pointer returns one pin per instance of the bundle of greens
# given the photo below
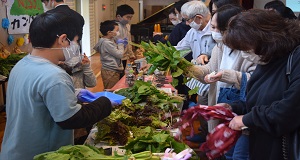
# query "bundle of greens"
(165, 57)
(90, 152)
(145, 92)
(154, 141)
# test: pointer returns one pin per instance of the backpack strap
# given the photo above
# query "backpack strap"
(289, 64)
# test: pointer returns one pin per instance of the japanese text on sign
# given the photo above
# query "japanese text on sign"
(21, 13)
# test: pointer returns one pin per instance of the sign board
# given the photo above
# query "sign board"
(21, 13)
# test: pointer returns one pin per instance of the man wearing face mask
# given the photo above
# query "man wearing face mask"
(59, 5)
(46, 5)
(198, 39)
(111, 53)
(180, 29)
(41, 107)
(124, 15)
(173, 18)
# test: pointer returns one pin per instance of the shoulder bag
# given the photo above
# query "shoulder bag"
(229, 95)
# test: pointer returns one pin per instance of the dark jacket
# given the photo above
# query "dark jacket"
(272, 106)
(68, 11)
(177, 34)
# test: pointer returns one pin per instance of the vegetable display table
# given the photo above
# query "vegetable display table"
(122, 84)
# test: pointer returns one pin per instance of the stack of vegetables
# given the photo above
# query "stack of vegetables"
(145, 106)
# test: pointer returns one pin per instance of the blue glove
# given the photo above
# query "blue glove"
(123, 41)
(85, 95)
(113, 103)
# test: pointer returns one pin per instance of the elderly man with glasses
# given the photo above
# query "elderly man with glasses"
(198, 39)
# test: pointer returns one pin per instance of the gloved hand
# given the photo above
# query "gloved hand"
(85, 95)
(123, 41)
(113, 103)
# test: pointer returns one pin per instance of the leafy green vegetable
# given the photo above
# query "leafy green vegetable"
(77, 152)
(155, 141)
(8, 63)
(165, 57)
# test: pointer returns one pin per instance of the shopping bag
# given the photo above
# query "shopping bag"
(229, 95)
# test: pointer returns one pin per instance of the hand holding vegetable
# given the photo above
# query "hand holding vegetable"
(236, 123)
(202, 59)
(225, 105)
(213, 77)
(166, 58)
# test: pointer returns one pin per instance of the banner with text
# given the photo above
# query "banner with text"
(21, 13)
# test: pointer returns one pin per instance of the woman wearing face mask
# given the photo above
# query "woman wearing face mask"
(228, 65)
(111, 53)
(271, 111)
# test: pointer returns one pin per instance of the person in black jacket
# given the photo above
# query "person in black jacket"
(280, 8)
(179, 31)
(62, 7)
(272, 106)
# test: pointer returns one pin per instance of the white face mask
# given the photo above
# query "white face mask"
(118, 34)
(195, 25)
(217, 36)
(72, 54)
(50, 5)
(178, 16)
(123, 21)
(252, 57)
(175, 22)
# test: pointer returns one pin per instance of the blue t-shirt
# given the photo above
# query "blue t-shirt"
(39, 94)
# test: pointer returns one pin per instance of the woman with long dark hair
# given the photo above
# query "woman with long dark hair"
(272, 108)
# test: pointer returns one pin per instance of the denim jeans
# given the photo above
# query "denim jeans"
(240, 151)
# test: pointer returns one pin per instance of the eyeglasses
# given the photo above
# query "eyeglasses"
(66, 38)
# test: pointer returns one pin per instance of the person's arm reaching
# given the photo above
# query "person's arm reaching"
(89, 114)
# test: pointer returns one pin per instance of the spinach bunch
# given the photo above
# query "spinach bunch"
(165, 57)
(145, 92)
(154, 141)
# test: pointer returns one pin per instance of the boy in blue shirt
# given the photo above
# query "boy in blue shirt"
(41, 107)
